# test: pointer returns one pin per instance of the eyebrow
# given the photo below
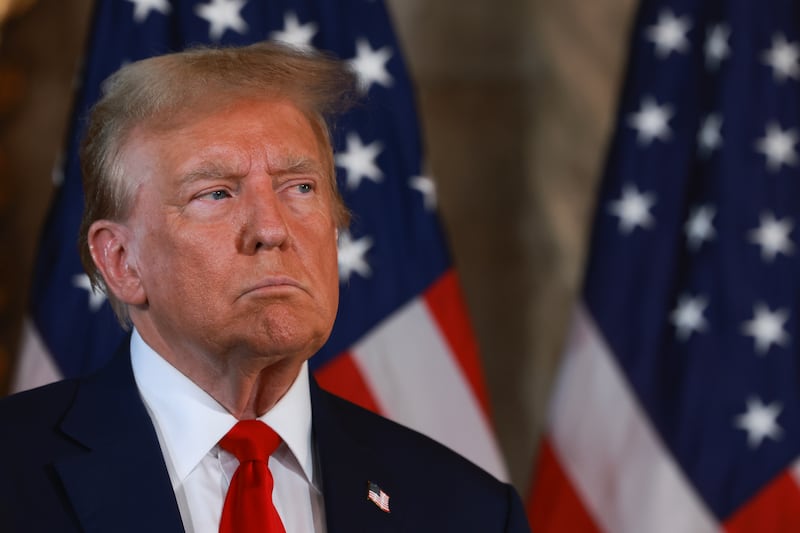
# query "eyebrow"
(298, 165)
(209, 170)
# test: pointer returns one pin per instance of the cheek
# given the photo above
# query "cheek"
(322, 259)
(183, 261)
(332, 271)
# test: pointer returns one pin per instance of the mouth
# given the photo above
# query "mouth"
(273, 285)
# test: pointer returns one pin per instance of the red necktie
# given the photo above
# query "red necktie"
(248, 504)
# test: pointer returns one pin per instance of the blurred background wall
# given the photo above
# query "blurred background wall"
(516, 99)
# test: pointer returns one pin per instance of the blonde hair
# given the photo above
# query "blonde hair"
(158, 92)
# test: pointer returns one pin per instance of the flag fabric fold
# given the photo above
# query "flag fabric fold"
(401, 344)
(677, 404)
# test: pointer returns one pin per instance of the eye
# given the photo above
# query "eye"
(304, 188)
(218, 195)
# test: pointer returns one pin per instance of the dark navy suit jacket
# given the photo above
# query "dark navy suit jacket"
(82, 455)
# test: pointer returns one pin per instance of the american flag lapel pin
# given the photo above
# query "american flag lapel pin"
(376, 495)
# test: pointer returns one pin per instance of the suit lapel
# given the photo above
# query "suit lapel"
(121, 482)
(347, 469)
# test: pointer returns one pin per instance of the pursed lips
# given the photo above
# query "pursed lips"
(273, 282)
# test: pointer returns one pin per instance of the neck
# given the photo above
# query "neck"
(246, 384)
(248, 393)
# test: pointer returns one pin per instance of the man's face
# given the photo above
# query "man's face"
(232, 234)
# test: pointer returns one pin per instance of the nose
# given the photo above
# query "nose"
(264, 222)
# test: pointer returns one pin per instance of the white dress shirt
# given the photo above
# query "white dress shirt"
(190, 423)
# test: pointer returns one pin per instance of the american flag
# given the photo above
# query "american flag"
(402, 344)
(678, 404)
(378, 497)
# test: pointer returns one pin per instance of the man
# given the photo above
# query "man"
(211, 222)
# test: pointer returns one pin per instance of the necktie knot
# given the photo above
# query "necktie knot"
(250, 440)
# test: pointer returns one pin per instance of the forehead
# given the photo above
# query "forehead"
(242, 132)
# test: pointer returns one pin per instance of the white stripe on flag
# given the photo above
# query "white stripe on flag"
(618, 465)
(414, 376)
(34, 366)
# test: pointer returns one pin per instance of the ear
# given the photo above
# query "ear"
(110, 244)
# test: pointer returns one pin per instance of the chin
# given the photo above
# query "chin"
(293, 342)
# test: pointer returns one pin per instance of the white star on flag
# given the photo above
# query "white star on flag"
(760, 421)
(427, 187)
(633, 209)
(222, 15)
(766, 328)
(778, 146)
(294, 33)
(772, 235)
(709, 137)
(370, 65)
(351, 256)
(669, 33)
(96, 298)
(699, 227)
(358, 161)
(717, 49)
(651, 121)
(142, 8)
(687, 317)
(782, 58)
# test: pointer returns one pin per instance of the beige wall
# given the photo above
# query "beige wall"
(516, 98)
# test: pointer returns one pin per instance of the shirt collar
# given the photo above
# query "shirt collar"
(191, 422)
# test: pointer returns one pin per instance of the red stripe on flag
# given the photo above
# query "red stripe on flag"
(446, 304)
(553, 505)
(773, 509)
(342, 377)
